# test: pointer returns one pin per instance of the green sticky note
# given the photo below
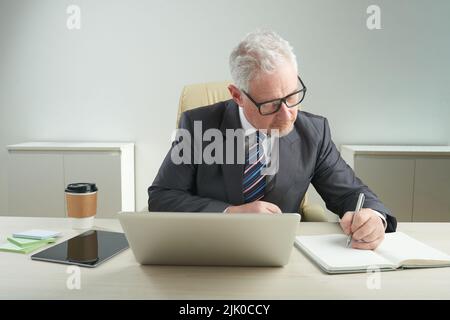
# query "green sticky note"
(22, 242)
(10, 247)
(20, 245)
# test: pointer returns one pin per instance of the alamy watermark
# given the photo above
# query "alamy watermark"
(373, 21)
(213, 147)
(373, 281)
(73, 21)
(73, 281)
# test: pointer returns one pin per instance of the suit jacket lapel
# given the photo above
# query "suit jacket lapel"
(289, 149)
(232, 173)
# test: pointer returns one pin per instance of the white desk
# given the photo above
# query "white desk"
(122, 278)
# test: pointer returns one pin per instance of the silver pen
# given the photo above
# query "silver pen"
(359, 205)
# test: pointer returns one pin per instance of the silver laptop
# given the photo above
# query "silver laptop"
(219, 239)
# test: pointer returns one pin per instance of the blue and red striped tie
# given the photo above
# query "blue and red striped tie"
(254, 182)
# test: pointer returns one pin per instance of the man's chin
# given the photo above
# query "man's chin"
(281, 131)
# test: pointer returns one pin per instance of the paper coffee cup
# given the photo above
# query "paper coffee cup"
(81, 199)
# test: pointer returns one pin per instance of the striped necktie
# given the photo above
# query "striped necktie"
(254, 182)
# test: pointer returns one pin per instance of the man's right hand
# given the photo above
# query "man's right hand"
(254, 207)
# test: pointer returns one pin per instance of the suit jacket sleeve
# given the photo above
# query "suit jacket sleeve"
(174, 186)
(338, 185)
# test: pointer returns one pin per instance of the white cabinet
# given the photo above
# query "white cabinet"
(38, 173)
(432, 190)
(35, 184)
(412, 181)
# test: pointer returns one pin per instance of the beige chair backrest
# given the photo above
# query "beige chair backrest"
(204, 94)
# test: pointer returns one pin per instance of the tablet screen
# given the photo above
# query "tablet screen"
(88, 249)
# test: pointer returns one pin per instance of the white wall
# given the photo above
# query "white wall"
(119, 77)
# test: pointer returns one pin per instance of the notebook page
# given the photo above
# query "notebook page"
(399, 247)
(331, 252)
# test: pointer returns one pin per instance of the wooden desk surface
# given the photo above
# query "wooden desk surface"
(123, 278)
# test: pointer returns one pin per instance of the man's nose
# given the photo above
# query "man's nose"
(284, 112)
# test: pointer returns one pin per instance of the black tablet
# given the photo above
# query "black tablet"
(88, 249)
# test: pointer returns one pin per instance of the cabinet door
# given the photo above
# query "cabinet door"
(391, 179)
(35, 184)
(101, 168)
(432, 190)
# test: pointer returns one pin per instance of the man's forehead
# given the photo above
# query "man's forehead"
(268, 87)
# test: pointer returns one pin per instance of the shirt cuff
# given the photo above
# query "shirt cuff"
(380, 215)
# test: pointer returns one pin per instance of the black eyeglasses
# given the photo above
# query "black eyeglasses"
(272, 106)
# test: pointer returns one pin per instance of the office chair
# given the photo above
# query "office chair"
(204, 94)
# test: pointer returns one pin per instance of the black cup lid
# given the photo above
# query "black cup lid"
(81, 187)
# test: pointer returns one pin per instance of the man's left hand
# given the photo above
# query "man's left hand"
(367, 228)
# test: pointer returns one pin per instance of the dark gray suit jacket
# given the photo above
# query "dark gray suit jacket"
(307, 155)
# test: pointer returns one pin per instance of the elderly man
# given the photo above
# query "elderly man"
(265, 96)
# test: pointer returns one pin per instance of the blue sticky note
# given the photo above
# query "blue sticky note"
(37, 234)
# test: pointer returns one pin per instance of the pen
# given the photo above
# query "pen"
(359, 205)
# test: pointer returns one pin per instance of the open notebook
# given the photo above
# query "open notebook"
(397, 251)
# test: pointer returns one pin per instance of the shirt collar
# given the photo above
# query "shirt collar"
(246, 125)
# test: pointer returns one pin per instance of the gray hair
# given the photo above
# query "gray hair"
(259, 51)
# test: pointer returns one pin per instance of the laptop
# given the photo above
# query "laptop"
(214, 239)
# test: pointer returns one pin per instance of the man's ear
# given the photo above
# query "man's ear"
(235, 94)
